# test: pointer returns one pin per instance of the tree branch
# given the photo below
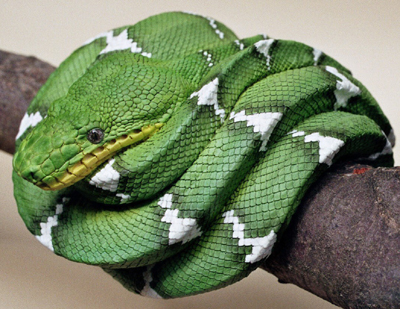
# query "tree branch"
(20, 79)
(343, 243)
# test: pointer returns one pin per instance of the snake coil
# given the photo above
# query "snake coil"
(172, 154)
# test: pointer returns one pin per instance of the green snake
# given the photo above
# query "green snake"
(173, 154)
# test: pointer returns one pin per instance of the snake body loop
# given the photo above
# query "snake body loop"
(173, 154)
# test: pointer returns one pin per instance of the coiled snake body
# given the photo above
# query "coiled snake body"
(173, 154)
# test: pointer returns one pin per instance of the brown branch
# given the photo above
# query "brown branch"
(20, 79)
(343, 244)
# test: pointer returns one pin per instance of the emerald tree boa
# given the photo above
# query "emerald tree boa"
(173, 154)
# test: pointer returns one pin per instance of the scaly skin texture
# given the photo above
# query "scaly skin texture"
(173, 154)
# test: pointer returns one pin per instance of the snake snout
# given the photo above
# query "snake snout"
(29, 167)
(29, 173)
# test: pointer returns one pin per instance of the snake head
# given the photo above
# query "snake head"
(120, 101)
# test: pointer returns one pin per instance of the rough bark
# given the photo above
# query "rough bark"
(20, 79)
(343, 243)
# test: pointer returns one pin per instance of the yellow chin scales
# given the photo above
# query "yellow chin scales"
(92, 160)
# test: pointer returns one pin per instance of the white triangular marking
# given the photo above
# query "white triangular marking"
(261, 246)
(263, 123)
(263, 47)
(148, 278)
(107, 178)
(386, 150)
(208, 95)
(328, 146)
(181, 229)
(28, 121)
(119, 42)
(317, 54)
(345, 89)
(45, 227)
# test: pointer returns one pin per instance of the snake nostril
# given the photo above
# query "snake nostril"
(30, 174)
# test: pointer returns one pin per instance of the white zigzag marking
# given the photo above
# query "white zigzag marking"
(208, 95)
(263, 47)
(124, 197)
(28, 121)
(345, 89)
(261, 246)
(386, 150)
(147, 290)
(209, 57)
(317, 54)
(238, 43)
(328, 146)
(107, 178)
(45, 227)
(181, 229)
(119, 42)
(214, 26)
(263, 123)
(296, 133)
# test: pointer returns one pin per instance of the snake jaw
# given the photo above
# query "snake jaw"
(92, 160)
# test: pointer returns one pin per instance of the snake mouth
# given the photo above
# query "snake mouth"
(92, 160)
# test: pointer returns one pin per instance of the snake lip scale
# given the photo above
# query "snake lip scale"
(98, 156)
(173, 154)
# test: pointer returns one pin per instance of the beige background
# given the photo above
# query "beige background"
(363, 35)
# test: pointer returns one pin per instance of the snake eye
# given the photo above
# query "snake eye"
(95, 136)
